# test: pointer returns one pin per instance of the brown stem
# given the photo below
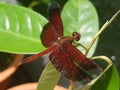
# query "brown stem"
(11, 69)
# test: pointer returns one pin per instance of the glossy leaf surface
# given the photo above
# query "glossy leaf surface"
(80, 16)
(20, 29)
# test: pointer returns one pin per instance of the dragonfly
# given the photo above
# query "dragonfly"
(66, 58)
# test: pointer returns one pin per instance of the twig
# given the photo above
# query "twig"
(11, 69)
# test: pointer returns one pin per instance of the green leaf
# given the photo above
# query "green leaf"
(20, 29)
(81, 16)
(109, 81)
(49, 78)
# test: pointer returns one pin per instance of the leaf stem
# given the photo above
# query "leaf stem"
(32, 4)
(104, 58)
(100, 31)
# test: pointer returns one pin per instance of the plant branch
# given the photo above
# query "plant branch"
(11, 69)
(101, 30)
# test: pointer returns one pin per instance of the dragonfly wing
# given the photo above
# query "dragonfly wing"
(34, 57)
(82, 61)
(54, 28)
(48, 35)
(65, 65)
(54, 14)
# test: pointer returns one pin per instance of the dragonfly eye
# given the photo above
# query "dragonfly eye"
(76, 36)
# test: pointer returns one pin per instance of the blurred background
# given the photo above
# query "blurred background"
(108, 45)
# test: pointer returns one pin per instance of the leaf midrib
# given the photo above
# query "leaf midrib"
(21, 36)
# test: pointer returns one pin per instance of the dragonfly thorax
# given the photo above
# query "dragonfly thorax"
(70, 39)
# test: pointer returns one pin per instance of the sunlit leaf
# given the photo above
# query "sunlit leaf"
(20, 29)
(81, 16)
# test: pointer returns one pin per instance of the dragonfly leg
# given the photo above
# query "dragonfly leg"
(72, 86)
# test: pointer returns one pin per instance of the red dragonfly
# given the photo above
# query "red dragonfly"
(66, 58)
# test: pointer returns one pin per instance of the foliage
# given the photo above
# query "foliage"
(20, 29)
